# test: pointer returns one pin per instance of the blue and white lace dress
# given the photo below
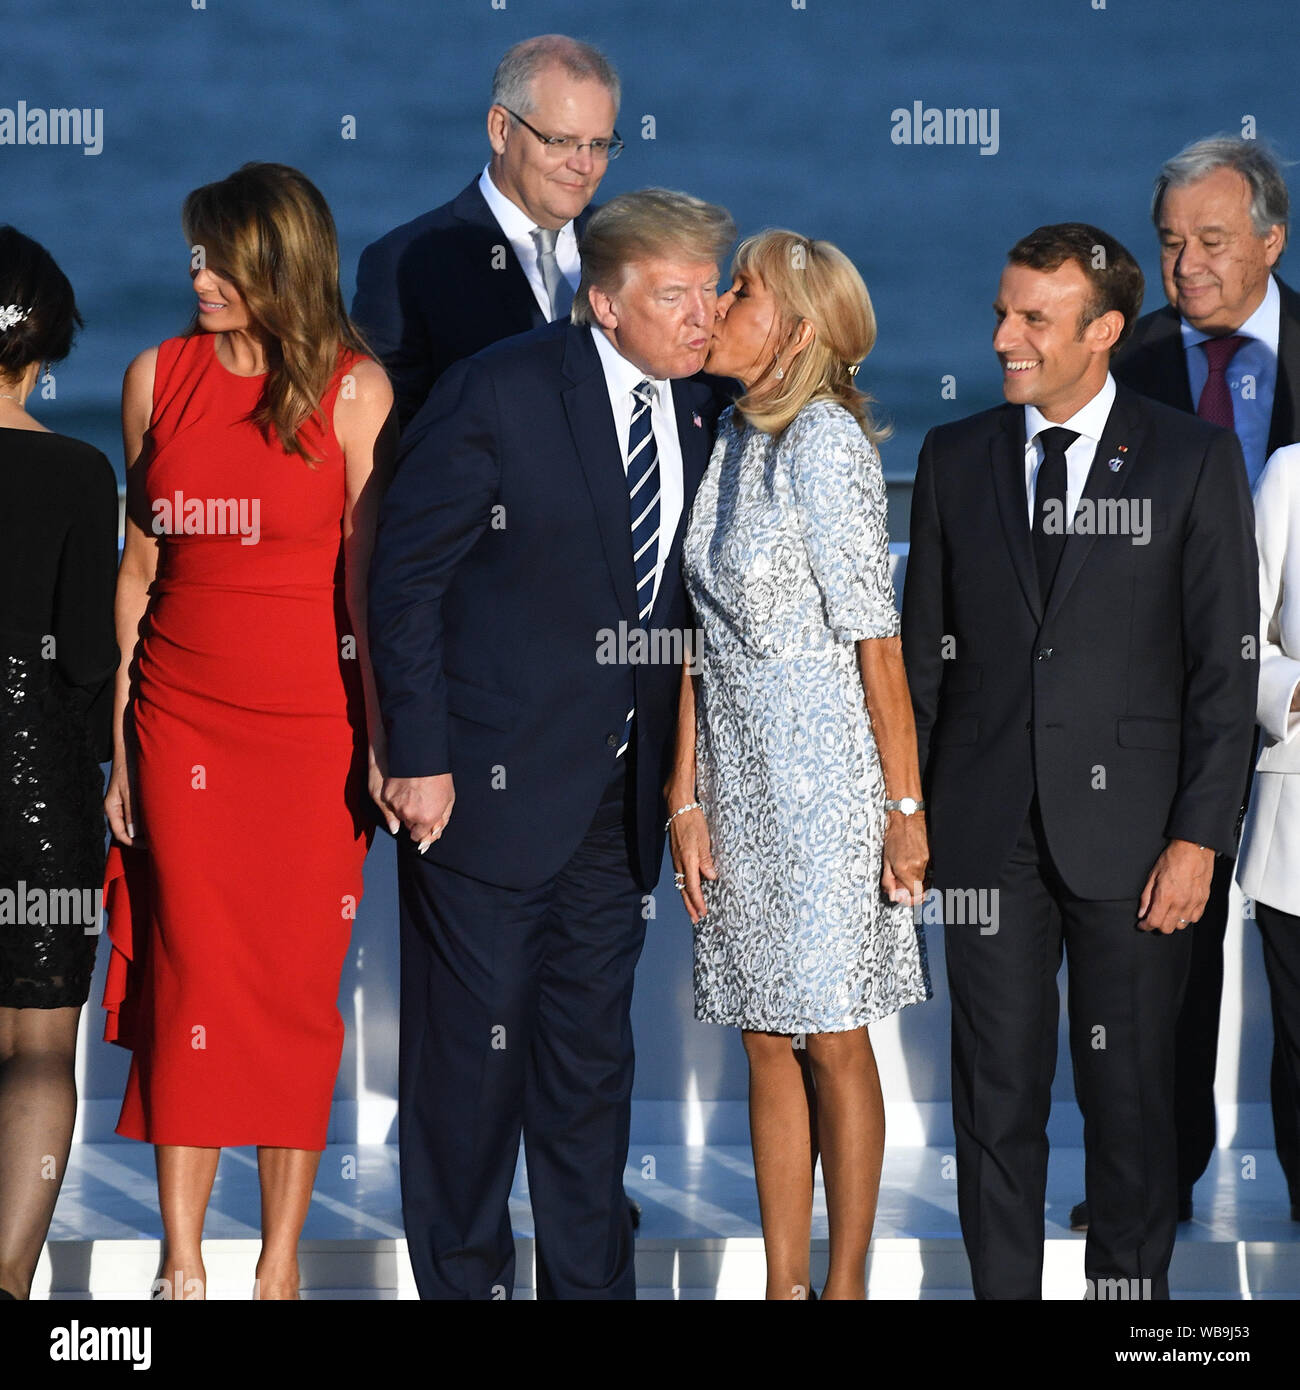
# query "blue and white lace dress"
(786, 561)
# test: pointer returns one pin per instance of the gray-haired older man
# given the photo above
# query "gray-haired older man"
(502, 256)
(1227, 348)
(533, 528)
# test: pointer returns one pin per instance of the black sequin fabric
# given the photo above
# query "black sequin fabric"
(51, 837)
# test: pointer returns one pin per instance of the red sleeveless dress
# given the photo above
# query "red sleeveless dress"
(231, 921)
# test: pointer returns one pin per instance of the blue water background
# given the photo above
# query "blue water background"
(782, 114)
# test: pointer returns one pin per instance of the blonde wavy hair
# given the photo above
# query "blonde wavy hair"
(816, 281)
(267, 229)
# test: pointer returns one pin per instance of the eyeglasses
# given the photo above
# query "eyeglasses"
(566, 145)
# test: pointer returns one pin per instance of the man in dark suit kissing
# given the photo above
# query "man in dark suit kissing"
(539, 505)
(1078, 626)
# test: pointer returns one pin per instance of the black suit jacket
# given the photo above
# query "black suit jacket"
(441, 288)
(1127, 705)
(503, 555)
(1153, 363)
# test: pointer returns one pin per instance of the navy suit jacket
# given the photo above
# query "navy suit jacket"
(503, 560)
(1154, 363)
(441, 288)
(1127, 704)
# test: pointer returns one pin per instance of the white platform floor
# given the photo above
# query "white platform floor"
(699, 1237)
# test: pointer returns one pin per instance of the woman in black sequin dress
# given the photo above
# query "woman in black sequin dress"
(58, 652)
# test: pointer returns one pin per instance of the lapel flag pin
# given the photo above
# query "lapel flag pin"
(1116, 464)
(696, 421)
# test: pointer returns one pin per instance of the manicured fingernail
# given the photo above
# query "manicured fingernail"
(130, 831)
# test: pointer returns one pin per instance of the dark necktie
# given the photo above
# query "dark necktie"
(558, 290)
(643, 509)
(1049, 505)
(1215, 404)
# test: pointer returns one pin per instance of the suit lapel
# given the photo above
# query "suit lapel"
(494, 258)
(1120, 440)
(1282, 423)
(591, 422)
(1007, 459)
(1169, 380)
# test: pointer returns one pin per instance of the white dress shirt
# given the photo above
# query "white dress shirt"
(621, 376)
(1255, 361)
(518, 228)
(1087, 422)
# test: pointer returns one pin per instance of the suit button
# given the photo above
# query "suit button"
(1044, 653)
(611, 740)
(1029, 728)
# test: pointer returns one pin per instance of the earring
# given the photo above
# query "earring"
(780, 370)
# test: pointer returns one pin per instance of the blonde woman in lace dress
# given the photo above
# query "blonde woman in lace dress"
(796, 743)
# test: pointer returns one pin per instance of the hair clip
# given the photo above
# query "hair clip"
(11, 314)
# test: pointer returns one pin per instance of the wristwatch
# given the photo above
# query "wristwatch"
(908, 805)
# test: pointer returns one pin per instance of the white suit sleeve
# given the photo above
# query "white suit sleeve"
(1277, 535)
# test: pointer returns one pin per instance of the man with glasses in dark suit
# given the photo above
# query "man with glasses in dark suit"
(502, 256)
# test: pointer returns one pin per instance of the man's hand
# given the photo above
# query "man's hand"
(1177, 888)
(422, 804)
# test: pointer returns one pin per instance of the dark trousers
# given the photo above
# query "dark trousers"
(1198, 1023)
(1198, 1033)
(515, 1019)
(1280, 933)
(1125, 986)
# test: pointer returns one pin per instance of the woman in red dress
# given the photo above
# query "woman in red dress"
(257, 445)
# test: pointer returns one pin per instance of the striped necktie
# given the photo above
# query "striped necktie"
(643, 509)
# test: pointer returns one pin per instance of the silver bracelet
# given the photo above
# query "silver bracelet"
(690, 806)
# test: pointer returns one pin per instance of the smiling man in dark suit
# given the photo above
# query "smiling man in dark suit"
(533, 527)
(1227, 348)
(1078, 627)
(502, 256)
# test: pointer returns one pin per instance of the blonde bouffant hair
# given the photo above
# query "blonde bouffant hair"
(816, 281)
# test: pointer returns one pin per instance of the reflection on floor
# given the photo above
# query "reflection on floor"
(699, 1237)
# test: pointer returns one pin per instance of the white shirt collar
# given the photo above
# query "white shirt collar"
(1088, 421)
(1265, 323)
(512, 219)
(623, 376)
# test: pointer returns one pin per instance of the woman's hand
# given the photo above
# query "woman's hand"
(906, 858)
(117, 803)
(688, 841)
(376, 772)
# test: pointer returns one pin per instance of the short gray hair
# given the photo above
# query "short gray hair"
(512, 83)
(1255, 162)
(650, 222)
